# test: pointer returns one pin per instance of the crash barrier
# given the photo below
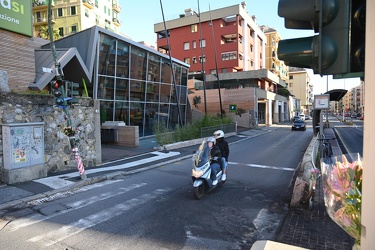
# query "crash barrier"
(226, 128)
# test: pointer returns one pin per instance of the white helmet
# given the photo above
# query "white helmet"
(219, 134)
(211, 139)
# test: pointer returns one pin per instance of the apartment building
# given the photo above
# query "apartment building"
(273, 63)
(71, 16)
(300, 86)
(229, 47)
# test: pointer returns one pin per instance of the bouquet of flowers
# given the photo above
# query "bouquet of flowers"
(342, 193)
(69, 131)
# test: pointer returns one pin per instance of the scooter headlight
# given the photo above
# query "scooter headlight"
(198, 172)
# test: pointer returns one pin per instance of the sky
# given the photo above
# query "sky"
(138, 19)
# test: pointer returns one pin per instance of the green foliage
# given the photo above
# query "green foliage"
(196, 100)
(240, 111)
(284, 92)
(191, 131)
(32, 92)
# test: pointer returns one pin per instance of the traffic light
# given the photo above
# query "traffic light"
(357, 42)
(72, 92)
(57, 92)
(327, 53)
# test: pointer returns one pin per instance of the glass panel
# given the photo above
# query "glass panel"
(163, 114)
(121, 112)
(183, 94)
(173, 94)
(136, 116)
(184, 77)
(154, 68)
(107, 54)
(152, 92)
(122, 59)
(151, 117)
(138, 64)
(106, 88)
(166, 72)
(177, 74)
(165, 92)
(137, 90)
(122, 89)
(106, 111)
(173, 116)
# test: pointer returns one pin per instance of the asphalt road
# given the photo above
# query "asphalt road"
(156, 209)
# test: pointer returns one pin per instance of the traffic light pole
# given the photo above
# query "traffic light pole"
(59, 76)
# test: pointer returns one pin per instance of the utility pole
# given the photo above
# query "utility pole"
(202, 60)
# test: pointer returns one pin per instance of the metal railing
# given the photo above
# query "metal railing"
(226, 128)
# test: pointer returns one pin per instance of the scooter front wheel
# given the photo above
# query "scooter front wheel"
(199, 192)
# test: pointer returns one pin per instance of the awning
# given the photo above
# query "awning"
(336, 94)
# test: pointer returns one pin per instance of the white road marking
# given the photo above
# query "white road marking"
(64, 232)
(36, 218)
(261, 166)
(59, 181)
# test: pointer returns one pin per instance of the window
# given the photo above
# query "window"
(187, 60)
(186, 46)
(194, 44)
(251, 48)
(204, 59)
(194, 60)
(229, 56)
(224, 70)
(59, 12)
(291, 85)
(290, 77)
(203, 43)
(74, 29)
(194, 28)
(73, 10)
(61, 31)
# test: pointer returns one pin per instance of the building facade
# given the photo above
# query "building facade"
(234, 35)
(230, 48)
(273, 63)
(69, 17)
(133, 82)
(300, 86)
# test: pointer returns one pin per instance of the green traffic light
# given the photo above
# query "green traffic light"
(59, 101)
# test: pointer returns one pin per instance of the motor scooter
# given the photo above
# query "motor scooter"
(201, 171)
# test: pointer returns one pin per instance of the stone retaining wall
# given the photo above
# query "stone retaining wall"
(18, 108)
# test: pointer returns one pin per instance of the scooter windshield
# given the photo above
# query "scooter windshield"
(203, 155)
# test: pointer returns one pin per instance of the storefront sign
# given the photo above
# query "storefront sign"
(16, 16)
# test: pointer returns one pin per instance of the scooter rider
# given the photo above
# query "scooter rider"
(215, 158)
(224, 149)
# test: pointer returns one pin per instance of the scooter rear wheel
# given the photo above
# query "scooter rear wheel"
(198, 192)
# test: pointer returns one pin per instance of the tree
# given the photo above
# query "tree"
(196, 100)
(44, 33)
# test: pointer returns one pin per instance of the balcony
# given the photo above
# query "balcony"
(42, 21)
(116, 7)
(116, 22)
(41, 5)
(89, 4)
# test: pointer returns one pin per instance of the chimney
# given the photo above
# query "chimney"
(189, 12)
(243, 4)
(254, 18)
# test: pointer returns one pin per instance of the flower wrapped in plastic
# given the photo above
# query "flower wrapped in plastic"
(69, 131)
(342, 180)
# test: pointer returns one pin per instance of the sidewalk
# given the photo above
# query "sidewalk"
(301, 228)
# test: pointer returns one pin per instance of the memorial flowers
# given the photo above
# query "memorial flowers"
(69, 131)
(342, 192)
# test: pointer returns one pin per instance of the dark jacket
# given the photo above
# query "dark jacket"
(224, 147)
(215, 155)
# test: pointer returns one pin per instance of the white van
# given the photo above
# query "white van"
(302, 116)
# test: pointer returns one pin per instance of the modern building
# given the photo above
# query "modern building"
(300, 86)
(133, 82)
(69, 17)
(230, 48)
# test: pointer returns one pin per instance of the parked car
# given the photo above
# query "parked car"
(353, 116)
(299, 125)
(307, 117)
(302, 116)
